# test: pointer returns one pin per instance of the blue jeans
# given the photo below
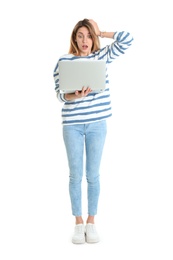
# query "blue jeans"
(90, 137)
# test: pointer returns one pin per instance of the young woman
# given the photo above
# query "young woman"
(84, 116)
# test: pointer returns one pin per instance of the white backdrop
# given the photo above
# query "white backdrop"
(135, 208)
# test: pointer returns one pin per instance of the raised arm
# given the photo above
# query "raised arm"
(99, 33)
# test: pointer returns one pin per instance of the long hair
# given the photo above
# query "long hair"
(73, 45)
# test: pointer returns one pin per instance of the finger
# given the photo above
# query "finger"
(89, 90)
(84, 88)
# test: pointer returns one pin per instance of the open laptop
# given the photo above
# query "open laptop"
(75, 74)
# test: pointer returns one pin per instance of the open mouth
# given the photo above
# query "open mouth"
(84, 47)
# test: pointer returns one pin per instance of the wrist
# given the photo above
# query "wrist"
(69, 96)
(102, 34)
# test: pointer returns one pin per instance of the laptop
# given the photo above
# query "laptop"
(75, 74)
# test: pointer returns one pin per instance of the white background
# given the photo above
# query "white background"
(135, 209)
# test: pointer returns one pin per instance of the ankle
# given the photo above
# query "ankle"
(79, 220)
(90, 220)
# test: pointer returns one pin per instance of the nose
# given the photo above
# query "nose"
(84, 38)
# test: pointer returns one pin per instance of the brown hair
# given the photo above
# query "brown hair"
(73, 45)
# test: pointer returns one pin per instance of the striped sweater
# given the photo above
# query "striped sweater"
(95, 106)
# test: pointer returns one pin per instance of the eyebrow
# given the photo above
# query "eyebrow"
(82, 33)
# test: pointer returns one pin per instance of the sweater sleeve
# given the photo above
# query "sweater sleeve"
(122, 41)
(60, 96)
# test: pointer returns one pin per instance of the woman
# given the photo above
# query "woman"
(84, 116)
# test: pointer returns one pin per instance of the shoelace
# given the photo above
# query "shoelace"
(91, 228)
(79, 229)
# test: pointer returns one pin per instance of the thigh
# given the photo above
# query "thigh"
(74, 142)
(95, 140)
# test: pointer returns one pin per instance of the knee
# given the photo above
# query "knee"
(75, 178)
(93, 179)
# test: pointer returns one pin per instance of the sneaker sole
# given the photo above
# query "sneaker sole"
(88, 240)
(82, 241)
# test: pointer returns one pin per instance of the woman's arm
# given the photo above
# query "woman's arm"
(99, 33)
(122, 41)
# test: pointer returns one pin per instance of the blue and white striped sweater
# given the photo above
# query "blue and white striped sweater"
(95, 106)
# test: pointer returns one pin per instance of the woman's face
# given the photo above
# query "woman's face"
(84, 41)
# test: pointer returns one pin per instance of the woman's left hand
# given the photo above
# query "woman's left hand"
(97, 31)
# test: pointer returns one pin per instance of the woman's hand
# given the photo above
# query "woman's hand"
(83, 93)
(78, 94)
(97, 31)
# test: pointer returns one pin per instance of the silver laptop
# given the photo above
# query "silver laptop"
(75, 74)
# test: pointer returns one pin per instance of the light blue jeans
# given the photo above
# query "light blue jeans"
(90, 137)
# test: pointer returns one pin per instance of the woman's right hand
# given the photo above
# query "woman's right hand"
(83, 93)
(78, 93)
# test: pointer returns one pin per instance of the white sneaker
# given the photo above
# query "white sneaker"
(91, 233)
(79, 234)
